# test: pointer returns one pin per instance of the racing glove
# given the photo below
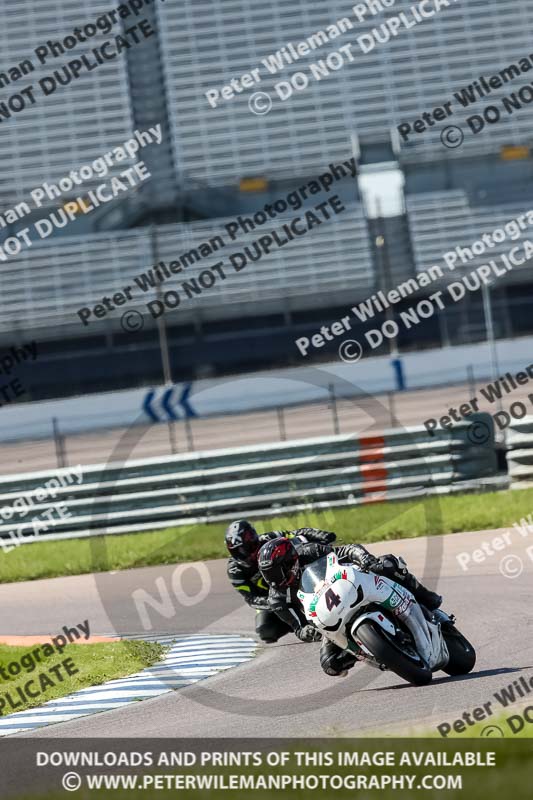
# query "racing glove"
(308, 633)
(391, 566)
(259, 602)
(365, 560)
(315, 535)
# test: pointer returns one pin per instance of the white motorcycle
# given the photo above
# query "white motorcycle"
(380, 622)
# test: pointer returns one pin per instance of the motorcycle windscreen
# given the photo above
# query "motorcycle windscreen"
(314, 574)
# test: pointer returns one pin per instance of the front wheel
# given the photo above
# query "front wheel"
(462, 654)
(409, 667)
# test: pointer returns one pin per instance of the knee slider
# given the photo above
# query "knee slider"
(327, 660)
(333, 673)
(334, 663)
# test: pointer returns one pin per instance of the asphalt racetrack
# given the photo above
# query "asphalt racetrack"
(283, 692)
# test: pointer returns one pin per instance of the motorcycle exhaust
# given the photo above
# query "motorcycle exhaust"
(428, 637)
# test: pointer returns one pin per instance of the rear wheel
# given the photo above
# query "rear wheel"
(462, 654)
(408, 666)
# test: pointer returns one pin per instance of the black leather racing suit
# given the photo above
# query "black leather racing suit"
(249, 582)
(285, 603)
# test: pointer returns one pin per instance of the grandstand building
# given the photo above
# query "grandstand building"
(215, 164)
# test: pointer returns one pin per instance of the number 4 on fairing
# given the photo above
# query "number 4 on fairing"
(353, 610)
(332, 599)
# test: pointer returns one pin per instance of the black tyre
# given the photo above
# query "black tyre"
(409, 667)
(462, 654)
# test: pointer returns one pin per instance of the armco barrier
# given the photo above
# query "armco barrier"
(520, 453)
(259, 481)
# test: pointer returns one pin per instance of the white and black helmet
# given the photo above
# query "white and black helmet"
(242, 541)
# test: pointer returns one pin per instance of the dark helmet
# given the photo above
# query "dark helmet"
(242, 541)
(278, 562)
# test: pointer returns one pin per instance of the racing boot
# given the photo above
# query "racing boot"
(395, 567)
(423, 595)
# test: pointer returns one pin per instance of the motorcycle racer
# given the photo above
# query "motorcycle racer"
(243, 544)
(281, 563)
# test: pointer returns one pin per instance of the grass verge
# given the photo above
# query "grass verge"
(369, 523)
(94, 664)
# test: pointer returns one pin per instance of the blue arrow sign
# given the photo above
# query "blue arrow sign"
(167, 409)
(147, 406)
(184, 401)
(166, 404)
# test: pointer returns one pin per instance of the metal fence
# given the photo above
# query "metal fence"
(337, 413)
(322, 472)
(520, 453)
